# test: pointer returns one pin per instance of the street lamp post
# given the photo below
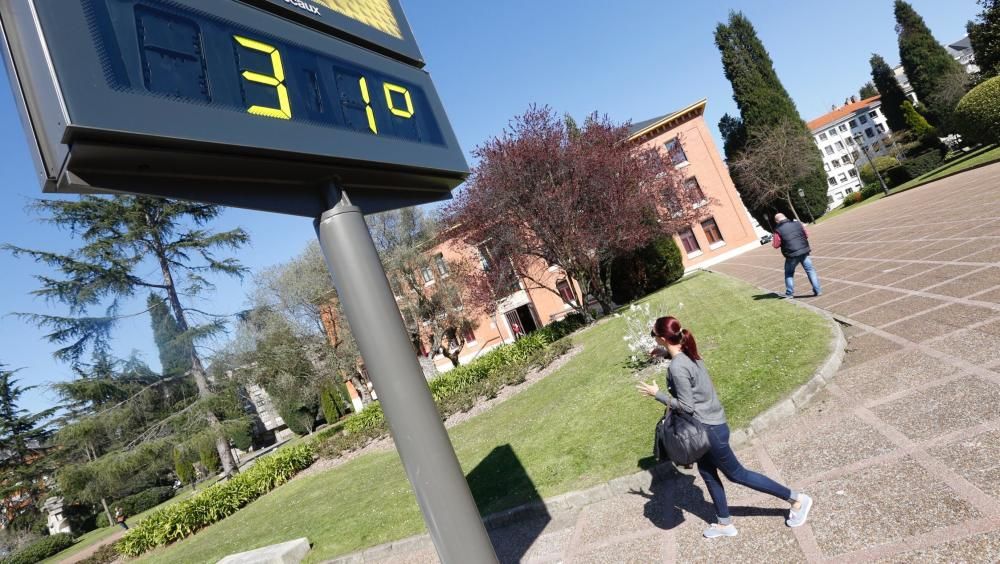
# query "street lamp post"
(802, 194)
(861, 143)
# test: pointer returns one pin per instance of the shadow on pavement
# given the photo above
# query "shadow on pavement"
(498, 477)
(674, 497)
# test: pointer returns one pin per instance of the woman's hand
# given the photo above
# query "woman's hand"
(658, 352)
(645, 389)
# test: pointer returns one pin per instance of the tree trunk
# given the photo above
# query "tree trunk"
(111, 520)
(788, 198)
(229, 466)
(361, 388)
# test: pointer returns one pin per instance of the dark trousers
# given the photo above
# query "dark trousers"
(721, 458)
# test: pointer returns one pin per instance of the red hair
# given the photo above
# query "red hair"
(670, 329)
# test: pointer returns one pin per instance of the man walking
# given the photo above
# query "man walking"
(793, 240)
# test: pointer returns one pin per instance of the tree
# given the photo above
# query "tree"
(543, 194)
(774, 162)
(984, 34)
(916, 122)
(979, 113)
(174, 349)
(22, 437)
(122, 238)
(890, 91)
(936, 76)
(434, 296)
(869, 90)
(764, 104)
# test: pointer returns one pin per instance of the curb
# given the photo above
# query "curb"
(573, 502)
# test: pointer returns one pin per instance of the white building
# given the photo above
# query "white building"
(960, 50)
(837, 134)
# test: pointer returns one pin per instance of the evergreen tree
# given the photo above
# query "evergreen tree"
(916, 122)
(175, 350)
(931, 70)
(764, 104)
(891, 92)
(22, 437)
(868, 90)
(985, 37)
(124, 237)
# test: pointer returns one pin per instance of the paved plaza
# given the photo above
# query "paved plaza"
(901, 453)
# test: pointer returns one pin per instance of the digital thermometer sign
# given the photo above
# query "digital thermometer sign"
(229, 101)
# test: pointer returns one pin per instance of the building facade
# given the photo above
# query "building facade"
(847, 137)
(960, 50)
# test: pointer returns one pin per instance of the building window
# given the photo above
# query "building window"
(427, 274)
(676, 151)
(690, 242)
(832, 181)
(839, 195)
(694, 189)
(870, 132)
(442, 268)
(850, 140)
(470, 336)
(849, 191)
(822, 136)
(836, 163)
(873, 114)
(828, 149)
(842, 177)
(853, 173)
(826, 166)
(712, 232)
(852, 123)
(566, 292)
(839, 145)
(842, 127)
(863, 119)
(846, 160)
(880, 128)
(829, 199)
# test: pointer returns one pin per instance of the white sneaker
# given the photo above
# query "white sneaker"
(797, 517)
(717, 530)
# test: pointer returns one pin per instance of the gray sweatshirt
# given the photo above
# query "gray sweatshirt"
(694, 389)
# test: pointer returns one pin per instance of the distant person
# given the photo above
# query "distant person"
(120, 518)
(695, 394)
(793, 240)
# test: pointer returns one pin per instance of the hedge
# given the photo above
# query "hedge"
(137, 503)
(882, 164)
(978, 113)
(41, 549)
(457, 389)
(923, 163)
(182, 519)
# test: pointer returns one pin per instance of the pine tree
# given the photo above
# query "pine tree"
(868, 90)
(984, 34)
(891, 92)
(931, 70)
(764, 104)
(175, 350)
(916, 122)
(22, 437)
(124, 237)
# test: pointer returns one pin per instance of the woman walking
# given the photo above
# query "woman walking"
(693, 392)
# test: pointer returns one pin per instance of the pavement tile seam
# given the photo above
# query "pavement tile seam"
(576, 539)
(925, 540)
(803, 535)
(934, 263)
(965, 489)
(986, 291)
(870, 404)
(606, 542)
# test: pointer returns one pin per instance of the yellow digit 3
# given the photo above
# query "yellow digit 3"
(284, 109)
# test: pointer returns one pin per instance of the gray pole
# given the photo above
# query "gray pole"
(861, 142)
(421, 440)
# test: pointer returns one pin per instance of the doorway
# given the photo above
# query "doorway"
(521, 321)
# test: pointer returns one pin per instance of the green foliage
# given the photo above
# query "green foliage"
(852, 199)
(174, 347)
(21, 437)
(919, 165)
(645, 270)
(183, 467)
(41, 549)
(137, 503)
(182, 519)
(31, 520)
(882, 164)
(208, 456)
(333, 401)
(978, 113)
(106, 554)
(869, 90)
(241, 435)
(763, 103)
(891, 92)
(926, 62)
(896, 176)
(984, 34)
(870, 190)
(916, 121)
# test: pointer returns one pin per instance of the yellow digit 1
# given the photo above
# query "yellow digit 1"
(284, 109)
(368, 104)
(389, 89)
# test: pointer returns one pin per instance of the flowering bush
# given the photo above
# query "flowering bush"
(638, 324)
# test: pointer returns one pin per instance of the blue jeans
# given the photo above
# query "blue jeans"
(721, 458)
(807, 264)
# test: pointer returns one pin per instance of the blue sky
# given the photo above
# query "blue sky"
(632, 59)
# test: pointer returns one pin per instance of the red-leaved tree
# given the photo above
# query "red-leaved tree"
(547, 190)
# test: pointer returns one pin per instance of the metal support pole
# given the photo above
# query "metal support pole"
(860, 141)
(421, 440)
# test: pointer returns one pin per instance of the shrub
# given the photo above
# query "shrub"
(645, 270)
(870, 190)
(882, 164)
(31, 520)
(106, 554)
(916, 122)
(41, 549)
(371, 417)
(137, 503)
(182, 519)
(978, 113)
(896, 176)
(919, 165)
(853, 198)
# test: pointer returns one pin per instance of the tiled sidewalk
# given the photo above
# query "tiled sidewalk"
(901, 452)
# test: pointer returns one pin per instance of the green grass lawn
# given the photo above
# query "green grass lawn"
(979, 157)
(97, 535)
(581, 426)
